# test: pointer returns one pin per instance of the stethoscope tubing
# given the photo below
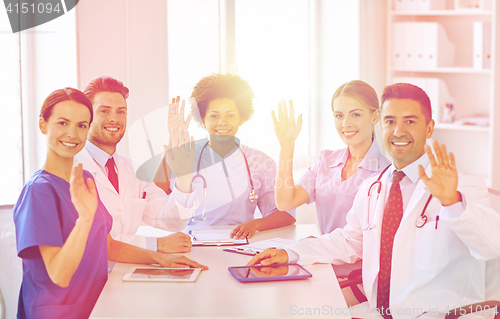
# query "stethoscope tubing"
(252, 196)
(420, 222)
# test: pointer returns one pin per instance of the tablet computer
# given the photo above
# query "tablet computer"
(269, 273)
(162, 274)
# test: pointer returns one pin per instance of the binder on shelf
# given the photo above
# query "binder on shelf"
(419, 44)
(399, 31)
(437, 91)
(468, 4)
(410, 43)
(487, 45)
(426, 5)
(438, 49)
(481, 34)
(412, 5)
(419, 5)
(400, 5)
(422, 45)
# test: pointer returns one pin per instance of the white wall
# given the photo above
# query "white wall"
(338, 54)
(372, 48)
(48, 63)
(128, 41)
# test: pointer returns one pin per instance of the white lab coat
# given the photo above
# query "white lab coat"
(227, 200)
(432, 268)
(129, 209)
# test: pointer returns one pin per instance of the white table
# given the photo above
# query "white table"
(216, 293)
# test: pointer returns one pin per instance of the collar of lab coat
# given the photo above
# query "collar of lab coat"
(125, 172)
(100, 156)
(411, 170)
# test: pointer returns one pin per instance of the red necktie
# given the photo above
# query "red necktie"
(112, 176)
(392, 218)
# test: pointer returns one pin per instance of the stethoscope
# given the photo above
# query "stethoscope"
(420, 221)
(252, 196)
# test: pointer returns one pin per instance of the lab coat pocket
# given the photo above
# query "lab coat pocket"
(138, 209)
(431, 246)
(369, 239)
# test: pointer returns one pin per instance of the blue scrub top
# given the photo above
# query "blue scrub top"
(45, 215)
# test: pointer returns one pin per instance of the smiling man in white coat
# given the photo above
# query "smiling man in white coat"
(423, 230)
(129, 200)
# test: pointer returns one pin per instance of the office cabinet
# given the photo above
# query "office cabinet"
(450, 51)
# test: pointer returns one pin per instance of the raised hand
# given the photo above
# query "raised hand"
(176, 115)
(285, 127)
(444, 180)
(83, 194)
(179, 155)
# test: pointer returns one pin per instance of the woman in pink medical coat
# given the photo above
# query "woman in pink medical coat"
(333, 180)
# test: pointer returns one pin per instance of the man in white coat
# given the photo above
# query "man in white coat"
(129, 200)
(435, 259)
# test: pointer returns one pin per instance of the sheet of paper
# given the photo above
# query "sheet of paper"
(214, 235)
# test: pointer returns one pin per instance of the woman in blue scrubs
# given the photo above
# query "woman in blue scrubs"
(61, 225)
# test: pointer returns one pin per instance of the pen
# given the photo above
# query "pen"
(190, 232)
(144, 195)
(240, 251)
(437, 219)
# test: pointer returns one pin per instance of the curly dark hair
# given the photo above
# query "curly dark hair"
(219, 86)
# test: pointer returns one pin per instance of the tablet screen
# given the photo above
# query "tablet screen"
(152, 273)
(273, 272)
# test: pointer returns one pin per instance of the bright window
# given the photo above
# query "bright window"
(272, 54)
(11, 161)
(286, 49)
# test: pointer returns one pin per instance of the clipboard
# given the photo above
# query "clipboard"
(214, 237)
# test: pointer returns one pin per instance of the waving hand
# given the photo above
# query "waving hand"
(176, 115)
(285, 127)
(83, 194)
(444, 180)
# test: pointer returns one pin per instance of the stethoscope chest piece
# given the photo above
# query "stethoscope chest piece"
(253, 196)
(421, 221)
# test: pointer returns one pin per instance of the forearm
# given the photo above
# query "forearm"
(122, 252)
(477, 226)
(171, 212)
(183, 183)
(331, 248)
(284, 187)
(275, 220)
(162, 176)
(61, 262)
